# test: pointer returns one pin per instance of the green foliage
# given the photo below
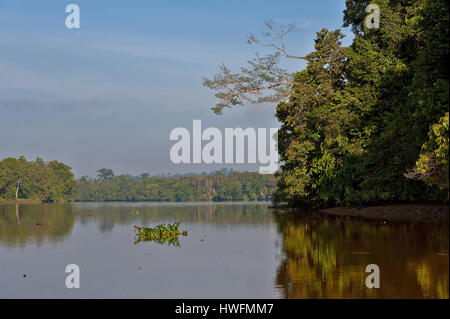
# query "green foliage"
(105, 174)
(38, 180)
(246, 186)
(162, 234)
(359, 115)
(432, 165)
(262, 80)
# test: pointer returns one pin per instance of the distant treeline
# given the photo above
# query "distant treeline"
(53, 181)
(206, 187)
(38, 180)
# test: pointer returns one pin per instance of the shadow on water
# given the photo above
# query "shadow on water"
(325, 257)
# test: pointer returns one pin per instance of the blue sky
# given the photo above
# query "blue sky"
(108, 94)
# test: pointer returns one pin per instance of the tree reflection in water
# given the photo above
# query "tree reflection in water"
(325, 257)
(321, 257)
(20, 224)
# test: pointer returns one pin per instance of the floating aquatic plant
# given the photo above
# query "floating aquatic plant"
(162, 234)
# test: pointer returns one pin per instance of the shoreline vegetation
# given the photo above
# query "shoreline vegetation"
(22, 180)
(224, 185)
(361, 124)
(53, 182)
(36, 201)
(33, 201)
(37, 181)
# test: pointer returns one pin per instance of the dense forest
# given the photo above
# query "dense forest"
(218, 186)
(53, 181)
(38, 180)
(367, 123)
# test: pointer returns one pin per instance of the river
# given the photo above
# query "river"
(232, 250)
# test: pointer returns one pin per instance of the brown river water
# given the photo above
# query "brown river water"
(232, 250)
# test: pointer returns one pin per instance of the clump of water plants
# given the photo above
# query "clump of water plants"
(134, 212)
(162, 234)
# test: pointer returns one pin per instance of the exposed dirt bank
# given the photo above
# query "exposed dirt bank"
(408, 212)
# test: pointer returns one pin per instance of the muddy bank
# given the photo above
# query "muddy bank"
(408, 212)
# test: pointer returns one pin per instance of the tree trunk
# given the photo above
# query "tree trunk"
(18, 186)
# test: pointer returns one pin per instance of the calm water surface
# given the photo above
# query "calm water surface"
(237, 250)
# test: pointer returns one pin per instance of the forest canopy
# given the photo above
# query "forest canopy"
(54, 181)
(35, 180)
(217, 186)
(364, 123)
(362, 117)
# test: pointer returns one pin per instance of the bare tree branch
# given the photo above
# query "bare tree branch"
(261, 74)
(262, 80)
(434, 170)
(276, 36)
(258, 91)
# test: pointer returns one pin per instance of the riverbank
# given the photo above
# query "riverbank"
(32, 201)
(407, 212)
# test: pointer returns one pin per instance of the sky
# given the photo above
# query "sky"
(109, 93)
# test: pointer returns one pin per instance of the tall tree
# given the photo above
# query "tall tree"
(105, 174)
(358, 117)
